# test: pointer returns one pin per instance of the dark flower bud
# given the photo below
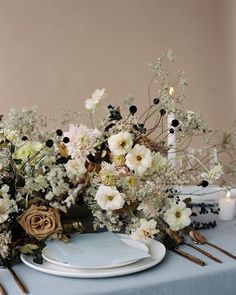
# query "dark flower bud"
(172, 130)
(59, 132)
(204, 183)
(49, 143)
(162, 112)
(135, 127)
(109, 126)
(175, 123)
(156, 100)
(20, 182)
(133, 109)
(66, 139)
(24, 138)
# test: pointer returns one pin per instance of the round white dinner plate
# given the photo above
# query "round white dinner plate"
(49, 256)
(156, 249)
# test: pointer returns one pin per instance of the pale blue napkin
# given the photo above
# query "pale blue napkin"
(98, 249)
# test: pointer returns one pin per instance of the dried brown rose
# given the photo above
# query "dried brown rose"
(41, 222)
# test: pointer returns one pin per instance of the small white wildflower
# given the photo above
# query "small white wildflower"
(139, 159)
(49, 196)
(121, 143)
(4, 191)
(214, 174)
(56, 178)
(170, 55)
(41, 182)
(91, 103)
(7, 206)
(178, 216)
(109, 198)
(5, 240)
(146, 231)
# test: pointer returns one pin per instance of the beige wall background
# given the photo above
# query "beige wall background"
(54, 53)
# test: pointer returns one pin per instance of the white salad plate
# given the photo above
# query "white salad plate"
(156, 249)
(50, 257)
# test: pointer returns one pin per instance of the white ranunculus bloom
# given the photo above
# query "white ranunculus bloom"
(139, 159)
(75, 167)
(91, 103)
(121, 143)
(109, 198)
(109, 174)
(146, 231)
(178, 216)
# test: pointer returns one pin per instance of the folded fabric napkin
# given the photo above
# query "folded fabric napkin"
(98, 249)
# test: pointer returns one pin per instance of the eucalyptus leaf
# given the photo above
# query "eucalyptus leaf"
(28, 248)
(34, 200)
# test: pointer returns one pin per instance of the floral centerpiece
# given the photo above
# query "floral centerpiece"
(119, 169)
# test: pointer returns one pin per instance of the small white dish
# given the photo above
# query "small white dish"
(50, 257)
(156, 249)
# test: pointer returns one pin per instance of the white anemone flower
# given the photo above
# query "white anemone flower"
(146, 231)
(121, 143)
(91, 103)
(139, 159)
(178, 216)
(82, 141)
(109, 198)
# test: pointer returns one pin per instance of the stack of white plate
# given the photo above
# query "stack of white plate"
(53, 265)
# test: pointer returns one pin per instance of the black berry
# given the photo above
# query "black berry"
(175, 123)
(66, 139)
(204, 183)
(59, 132)
(49, 143)
(162, 112)
(133, 109)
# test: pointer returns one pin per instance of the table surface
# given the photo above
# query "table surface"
(174, 275)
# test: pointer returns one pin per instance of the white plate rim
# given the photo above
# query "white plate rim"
(156, 249)
(66, 265)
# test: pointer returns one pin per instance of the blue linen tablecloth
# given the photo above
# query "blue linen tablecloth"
(174, 275)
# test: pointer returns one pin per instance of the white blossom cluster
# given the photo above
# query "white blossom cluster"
(119, 167)
(5, 241)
